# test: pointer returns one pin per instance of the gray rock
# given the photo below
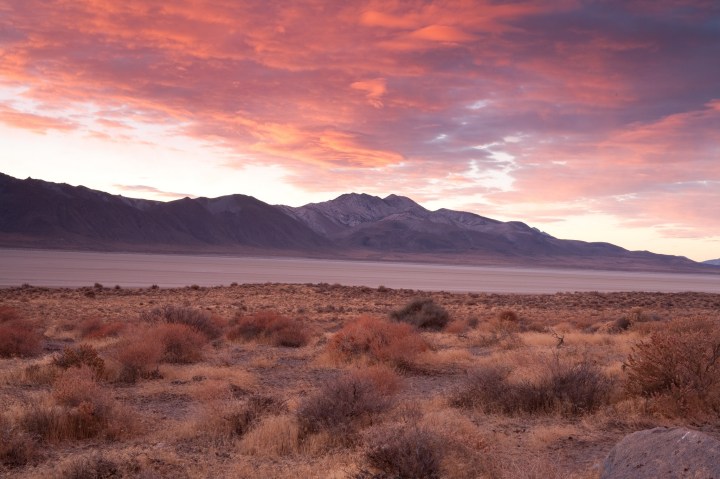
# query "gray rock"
(664, 453)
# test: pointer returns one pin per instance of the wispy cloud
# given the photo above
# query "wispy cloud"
(155, 192)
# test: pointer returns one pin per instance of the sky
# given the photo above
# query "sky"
(592, 120)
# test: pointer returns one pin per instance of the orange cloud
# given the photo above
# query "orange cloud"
(604, 100)
(375, 89)
(442, 33)
(32, 122)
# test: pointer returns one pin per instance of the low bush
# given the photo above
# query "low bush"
(16, 447)
(678, 368)
(269, 327)
(83, 355)
(377, 340)
(405, 453)
(99, 466)
(423, 313)
(253, 409)
(508, 316)
(8, 314)
(139, 356)
(341, 404)
(93, 467)
(96, 328)
(140, 353)
(39, 374)
(200, 321)
(567, 389)
(225, 421)
(181, 343)
(80, 409)
(18, 337)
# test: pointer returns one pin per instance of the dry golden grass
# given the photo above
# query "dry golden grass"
(146, 383)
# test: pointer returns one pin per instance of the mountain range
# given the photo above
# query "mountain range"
(40, 214)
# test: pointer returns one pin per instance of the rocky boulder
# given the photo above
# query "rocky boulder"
(664, 453)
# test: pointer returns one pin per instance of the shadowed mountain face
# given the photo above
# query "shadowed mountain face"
(42, 214)
(76, 216)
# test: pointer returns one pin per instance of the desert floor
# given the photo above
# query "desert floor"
(318, 380)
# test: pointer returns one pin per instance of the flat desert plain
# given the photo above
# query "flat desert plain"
(329, 381)
(73, 269)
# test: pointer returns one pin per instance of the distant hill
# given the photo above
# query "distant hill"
(38, 213)
(713, 262)
(35, 213)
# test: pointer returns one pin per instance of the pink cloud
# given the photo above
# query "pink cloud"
(605, 100)
(374, 90)
(33, 122)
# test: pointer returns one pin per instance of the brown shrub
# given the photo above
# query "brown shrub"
(405, 453)
(456, 327)
(38, 374)
(16, 447)
(508, 316)
(8, 313)
(225, 421)
(93, 467)
(139, 356)
(181, 343)
(423, 313)
(269, 327)
(570, 389)
(341, 404)
(97, 465)
(200, 321)
(81, 409)
(18, 337)
(505, 323)
(81, 355)
(575, 389)
(96, 328)
(379, 341)
(678, 367)
(256, 407)
(385, 380)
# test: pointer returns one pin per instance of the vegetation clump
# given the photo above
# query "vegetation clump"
(198, 320)
(17, 448)
(406, 453)
(18, 336)
(423, 313)
(83, 355)
(343, 403)
(678, 368)
(569, 389)
(79, 408)
(269, 327)
(378, 341)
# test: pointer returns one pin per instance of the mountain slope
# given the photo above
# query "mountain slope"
(77, 216)
(35, 213)
(398, 224)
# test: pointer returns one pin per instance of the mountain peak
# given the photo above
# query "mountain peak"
(401, 202)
